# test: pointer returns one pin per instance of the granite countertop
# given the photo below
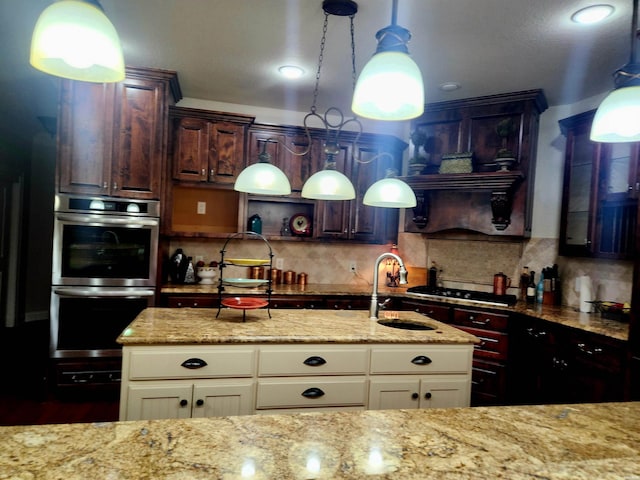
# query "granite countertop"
(570, 317)
(553, 442)
(200, 326)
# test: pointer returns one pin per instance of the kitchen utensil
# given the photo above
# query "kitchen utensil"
(500, 283)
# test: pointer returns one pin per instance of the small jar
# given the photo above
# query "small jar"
(302, 279)
(289, 277)
(275, 276)
(256, 272)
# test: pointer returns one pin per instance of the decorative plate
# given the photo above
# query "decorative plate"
(247, 262)
(244, 282)
(300, 224)
(244, 303)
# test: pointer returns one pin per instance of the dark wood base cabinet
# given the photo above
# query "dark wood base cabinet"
(550, 363)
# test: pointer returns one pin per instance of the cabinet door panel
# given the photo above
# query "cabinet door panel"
(333, 215)
(85, 133)
(298, 168)
(444, 392)
(393, 393)
(226, 152)
(157, 401)
(223, 398)
(138, 146)
(365, 171)
(190, 148)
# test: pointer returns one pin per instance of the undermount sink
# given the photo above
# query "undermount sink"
(405, 325)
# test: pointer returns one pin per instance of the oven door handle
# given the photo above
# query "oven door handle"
(98, 293)
(107, 220)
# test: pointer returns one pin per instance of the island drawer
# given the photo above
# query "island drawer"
(312, 360)
(184, 362)
(423, 359)
(311, 392)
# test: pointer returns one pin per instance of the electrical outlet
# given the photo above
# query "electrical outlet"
(279, 263)
(201, 209)
(352, 266)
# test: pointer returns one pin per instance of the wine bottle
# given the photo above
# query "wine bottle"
(531, 288)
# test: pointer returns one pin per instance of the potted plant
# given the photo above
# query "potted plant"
(418, 162)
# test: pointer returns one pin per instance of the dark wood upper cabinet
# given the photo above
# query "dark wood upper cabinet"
(487, 200)
(286, 146)
(600, 194)
(207, 146)
(112, 137)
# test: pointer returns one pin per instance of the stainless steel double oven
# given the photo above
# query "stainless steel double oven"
(103, 275)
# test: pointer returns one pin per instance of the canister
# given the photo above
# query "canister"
(275, 274)
(256, 272)
(289, 277)
(302, 279)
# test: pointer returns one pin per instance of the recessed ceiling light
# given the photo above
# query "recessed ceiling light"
(592, 14)
(291, 71)
(449, 86)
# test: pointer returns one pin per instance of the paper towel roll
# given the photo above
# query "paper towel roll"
(585, 287)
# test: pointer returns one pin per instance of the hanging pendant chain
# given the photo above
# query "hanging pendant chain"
(320, 58)
(353, 54)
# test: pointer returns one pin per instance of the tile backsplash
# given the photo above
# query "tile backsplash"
(464, 263)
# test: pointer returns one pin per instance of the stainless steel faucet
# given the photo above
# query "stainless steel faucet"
(373, 309)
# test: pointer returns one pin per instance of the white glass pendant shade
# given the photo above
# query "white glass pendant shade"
(390, 87)
(390, 193)
(328, 185)
(617, 119)
(263, 179)
(75, 39)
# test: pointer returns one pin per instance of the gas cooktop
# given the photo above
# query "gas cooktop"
(481, 298)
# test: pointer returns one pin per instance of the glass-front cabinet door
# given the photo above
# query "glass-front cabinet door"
(599, 206)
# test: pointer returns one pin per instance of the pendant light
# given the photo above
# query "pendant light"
(75, 39)
(330, 184)
(390, 192)
(263, 178)
(390, 86)
(617, 119)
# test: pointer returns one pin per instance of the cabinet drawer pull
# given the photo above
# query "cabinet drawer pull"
(313, 392)
(194, 363)
(427, 395)
(183, 403)
(414, 396)
(484, 322)
(421, 360)
(315, 361)
(584, 349)
(199, 402)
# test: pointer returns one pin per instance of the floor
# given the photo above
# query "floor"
(26, 398)
(18, 410)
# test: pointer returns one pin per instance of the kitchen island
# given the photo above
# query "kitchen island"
(190, 362)
(580, 441)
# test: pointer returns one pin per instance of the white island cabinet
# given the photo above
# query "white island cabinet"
(188, 363)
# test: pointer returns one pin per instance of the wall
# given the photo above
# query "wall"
(465, 262)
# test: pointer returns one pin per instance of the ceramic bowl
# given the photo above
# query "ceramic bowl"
(207, 274)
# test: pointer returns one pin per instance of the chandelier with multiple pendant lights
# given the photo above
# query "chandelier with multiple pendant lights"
(329, 183)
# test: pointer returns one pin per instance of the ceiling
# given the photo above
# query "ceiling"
(229, 50)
